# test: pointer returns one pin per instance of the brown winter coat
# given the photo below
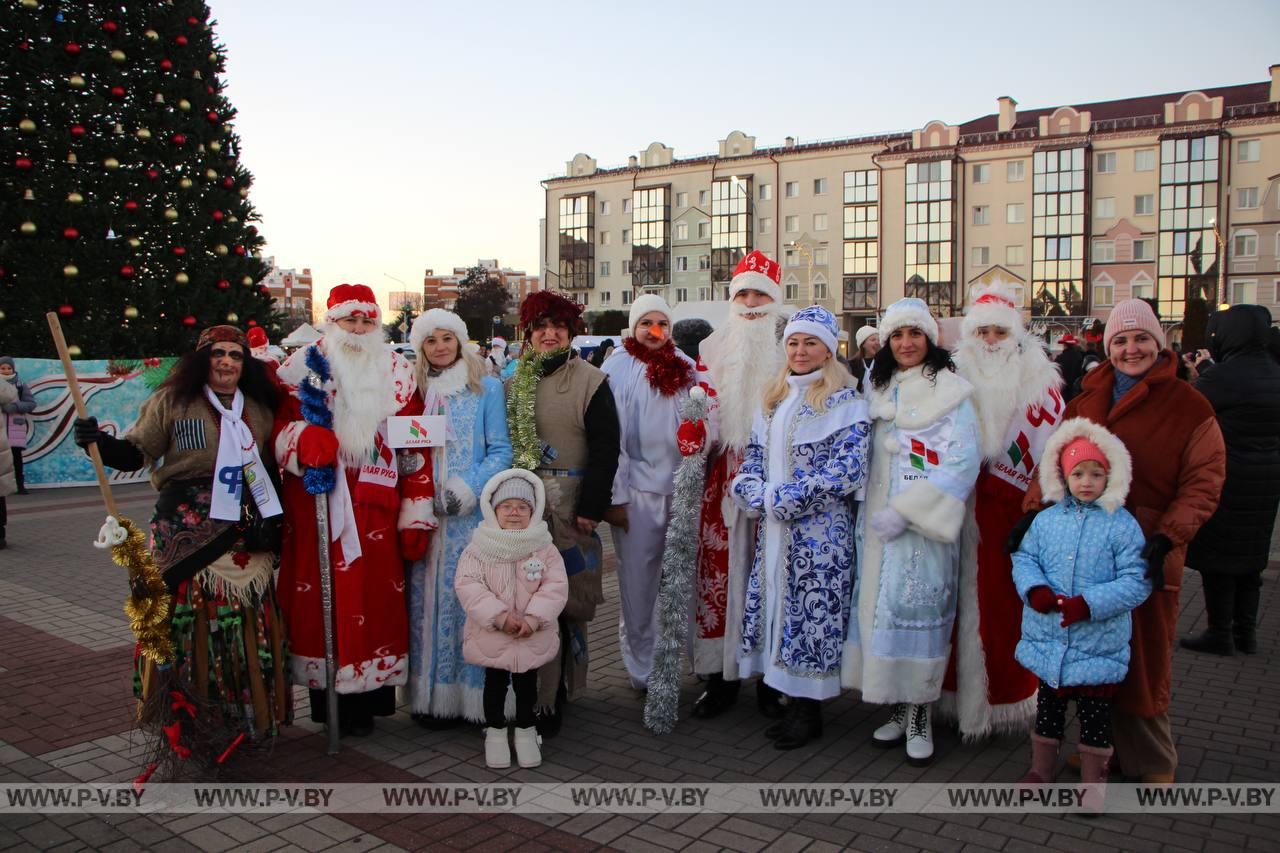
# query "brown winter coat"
(1179, 464)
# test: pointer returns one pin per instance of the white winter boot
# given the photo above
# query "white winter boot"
(527, 752)
(920, 735)
(497, 752)
(892, 732)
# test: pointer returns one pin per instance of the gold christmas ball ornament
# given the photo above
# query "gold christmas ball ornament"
(215, 146)
(27, 227)
(71, 158)
(244, 193)
(143, 133)
(74, 351)
(152, 35)
(233, 317)
(75, 81)
(182, 278)
(28, 195)
(75, 198)
(134, 242)
(71, 271)
(232, 219)
(111, 163)
(27, 126)
(118, 56)
(185, 183)
(247, 281)
(31, 4)
(130, 312)
(170, 214)
(1, 316)
(211, 174)
(184, 105)
(221, 249)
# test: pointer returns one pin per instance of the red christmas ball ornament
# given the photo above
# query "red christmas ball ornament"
(166, 65)
(179, 139)
(66, 310)
(23, 163)
(228, 182)
(223, 284)
(127, 271)
(218, 216)
(180, 41)
(152, 174)
(117, 91)
(239, 250)
(71, 232)
(131, 205)
(252, 323)
(213, 117)
(179, 250)
(72, 49)
(77, 130)
(193, 21)
(264, 290)
(188, 320)
(26, 45)
(110, 27)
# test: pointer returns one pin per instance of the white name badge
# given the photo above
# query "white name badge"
(415, 431)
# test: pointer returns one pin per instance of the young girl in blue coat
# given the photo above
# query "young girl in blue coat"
(1080, 571)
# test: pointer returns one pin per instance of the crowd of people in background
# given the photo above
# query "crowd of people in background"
(958, 530)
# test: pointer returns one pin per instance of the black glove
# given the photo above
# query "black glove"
(115, 452)
(1154, 552)
(1020, 528)
(86, 432)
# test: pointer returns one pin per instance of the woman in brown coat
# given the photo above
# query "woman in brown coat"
(1179, 464)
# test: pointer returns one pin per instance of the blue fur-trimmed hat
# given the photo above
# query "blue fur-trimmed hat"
(817, 321)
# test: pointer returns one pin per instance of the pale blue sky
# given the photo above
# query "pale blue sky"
(388, 136)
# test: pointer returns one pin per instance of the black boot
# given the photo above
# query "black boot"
(717, 698)
(549, 720)
(803, 724)
(1244, 628)
(1219, 607)
(769, 701)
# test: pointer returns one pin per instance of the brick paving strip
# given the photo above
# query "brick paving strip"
(65, 715)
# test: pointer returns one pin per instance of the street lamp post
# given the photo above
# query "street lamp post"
(796, 244)
(1221, 294)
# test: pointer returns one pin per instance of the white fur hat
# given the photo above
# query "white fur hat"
(1119, 478)
(864, 332)
(645, 304)
(497, 480)
(436, 318)
(995, 304)
(908, 311)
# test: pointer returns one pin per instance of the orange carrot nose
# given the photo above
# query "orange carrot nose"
(657, 332)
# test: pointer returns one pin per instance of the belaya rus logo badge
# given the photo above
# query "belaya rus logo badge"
(417, 429)
(921, 454)
(1020, 452)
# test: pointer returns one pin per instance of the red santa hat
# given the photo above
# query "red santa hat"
(352, 300)
(995, 304)
(258, 338)
(760, 273)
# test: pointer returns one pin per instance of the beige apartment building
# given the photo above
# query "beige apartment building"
(1079, 205)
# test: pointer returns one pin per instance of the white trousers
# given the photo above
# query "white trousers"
(639, 553)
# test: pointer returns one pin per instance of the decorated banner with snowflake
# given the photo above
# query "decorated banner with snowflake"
(113, 391)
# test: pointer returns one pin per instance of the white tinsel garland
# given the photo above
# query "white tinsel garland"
(679, 562)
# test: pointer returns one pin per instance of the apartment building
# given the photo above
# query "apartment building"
(290, 290)
(398, 299)
(441, 291)
(1079, 205)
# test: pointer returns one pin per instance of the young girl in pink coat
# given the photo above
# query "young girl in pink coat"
(511, 582)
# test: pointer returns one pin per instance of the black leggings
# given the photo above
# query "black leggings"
(495, 696)
(1094, 713)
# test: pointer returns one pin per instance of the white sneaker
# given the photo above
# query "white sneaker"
(892, 732)
(920, 735)
(527, 752)
(497, 752)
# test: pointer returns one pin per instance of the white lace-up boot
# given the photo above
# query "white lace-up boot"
(920, 735)
(892, 732)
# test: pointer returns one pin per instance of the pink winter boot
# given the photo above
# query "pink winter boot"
(1044, 760)
(1094, 764)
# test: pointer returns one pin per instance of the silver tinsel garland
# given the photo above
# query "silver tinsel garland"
(679, 562)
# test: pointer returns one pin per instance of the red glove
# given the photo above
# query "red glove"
(317, 447)
(690, 437)
(413, 544)
(1042, 599)
(1074, 609)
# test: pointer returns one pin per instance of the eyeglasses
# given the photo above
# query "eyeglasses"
(234, 355)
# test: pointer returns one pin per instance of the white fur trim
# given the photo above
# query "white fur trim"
(931, 512)
(900, 316)
(920, 401)
(486, 494)
(647, 303)
(463, 492)
(1052, 485)
(752, 280)
(287, 447)
(890, 444)
(808, 327)
(884, 411)
(346, 309)
(436, 318)
(451, 380)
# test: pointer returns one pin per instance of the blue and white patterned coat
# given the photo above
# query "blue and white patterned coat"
(1093, 550)
(798, 473)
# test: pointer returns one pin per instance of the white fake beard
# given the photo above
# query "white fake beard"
(361, 367)
(752, 359)
(996, 375)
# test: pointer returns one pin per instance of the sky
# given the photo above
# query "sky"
(389, 137)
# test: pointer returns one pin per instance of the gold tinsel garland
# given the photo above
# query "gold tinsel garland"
(526, 447)
(148, 603)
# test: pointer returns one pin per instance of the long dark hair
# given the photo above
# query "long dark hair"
(189, 376)
(935, 359)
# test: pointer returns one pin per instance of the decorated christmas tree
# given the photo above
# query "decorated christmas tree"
(123, 204)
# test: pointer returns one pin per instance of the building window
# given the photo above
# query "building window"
(604, 208)
(1015, 170)
(1144, 205)
(1104, 251)
(682, 264)
(1244, 293)
(820, 290)
(1104, 208)
(861, 222)
(604, 269)
(682, 295)
(1244, 245)
(1142, 289)
(577, 241)
(930, 232)
(1015, 213)
(626, 267)
(651, 245)
(682, 230)
(585, 298)
(626, 205)
(704, 229)
(605, 238)
(792, 223)
(819, 186)
(860, 293)
(819, 222)
(793, 189)
(1014, 256)
(704, 263)
(704, 294)
(981, 173)
(1107, 163)
(1104, 293)
(682, 199)
(626, 235)
(626, 297)
(862, 187)
(1246, 198)
(862, 258)
(791, 258)
(605, 297)
(981, 214)
(1188, 251)
(1057, 233)
(979, 256)
(1248, 151)
(1144, 160)
(731, 230)
(704, 198)
(820, 256)
(766, 225)
(766, 192)
(1142, 250)
(792, 292)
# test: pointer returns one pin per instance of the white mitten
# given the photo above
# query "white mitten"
(888, 524)
(455, 488)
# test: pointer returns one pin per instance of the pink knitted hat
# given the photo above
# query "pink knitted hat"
(1132, 315)
(1081, 450)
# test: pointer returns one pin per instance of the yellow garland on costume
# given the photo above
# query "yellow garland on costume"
(148, 603)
